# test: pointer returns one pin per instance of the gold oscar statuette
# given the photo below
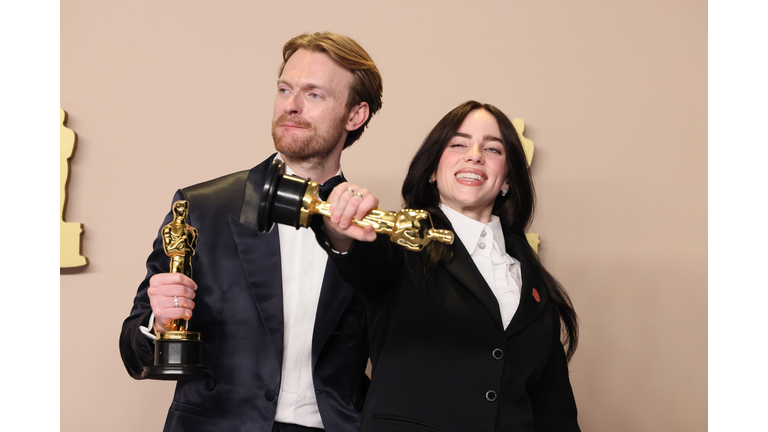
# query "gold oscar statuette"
(178, 351)
(293, 201)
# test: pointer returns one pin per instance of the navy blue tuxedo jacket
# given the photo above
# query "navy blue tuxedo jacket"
(239, 313)
(442, 359)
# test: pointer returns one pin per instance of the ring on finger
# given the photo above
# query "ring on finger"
(175, 301)
(354, 194)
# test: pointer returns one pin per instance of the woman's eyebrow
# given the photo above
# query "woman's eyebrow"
(485, 138)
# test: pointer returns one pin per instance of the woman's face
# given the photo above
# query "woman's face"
(473, 168)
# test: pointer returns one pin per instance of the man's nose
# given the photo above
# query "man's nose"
(292, 104)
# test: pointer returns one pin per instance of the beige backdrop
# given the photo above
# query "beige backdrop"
(614, 96)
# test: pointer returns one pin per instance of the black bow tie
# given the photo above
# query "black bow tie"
(327, 187)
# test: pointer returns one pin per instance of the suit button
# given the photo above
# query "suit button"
(215, 319)
(490, 395)
(498, 353)
(269, 395)
(209, 384)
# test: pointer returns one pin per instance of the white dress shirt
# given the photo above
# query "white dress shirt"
(485, 244)
(303, 264)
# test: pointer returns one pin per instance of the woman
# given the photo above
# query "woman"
(463, 337)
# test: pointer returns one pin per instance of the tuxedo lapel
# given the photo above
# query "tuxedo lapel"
(533, 294)
(463, 268)
(262, 270)
(331, 305)
(253, 188)
(333, 298)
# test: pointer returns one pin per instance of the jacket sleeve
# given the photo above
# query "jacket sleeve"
(370, 268)
(552, 400)
(137, 350)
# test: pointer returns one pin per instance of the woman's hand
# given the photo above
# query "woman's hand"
(348, 202)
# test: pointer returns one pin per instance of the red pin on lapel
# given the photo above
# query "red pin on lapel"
(536, 296)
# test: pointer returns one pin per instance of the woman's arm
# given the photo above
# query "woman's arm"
(368, 262)
(552, 400)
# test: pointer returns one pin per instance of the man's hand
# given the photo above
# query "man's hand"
(163, 287)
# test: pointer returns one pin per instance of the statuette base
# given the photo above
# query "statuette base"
(177, 357)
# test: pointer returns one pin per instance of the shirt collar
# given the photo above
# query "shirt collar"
(469, 230)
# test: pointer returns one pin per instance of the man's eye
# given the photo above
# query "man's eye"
(314, 95)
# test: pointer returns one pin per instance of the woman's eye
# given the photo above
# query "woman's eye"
(494, 150)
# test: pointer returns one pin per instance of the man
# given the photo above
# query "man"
(283, 335)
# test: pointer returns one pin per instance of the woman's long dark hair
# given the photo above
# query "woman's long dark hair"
(514, 210)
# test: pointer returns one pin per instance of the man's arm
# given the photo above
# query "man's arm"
(155, 293)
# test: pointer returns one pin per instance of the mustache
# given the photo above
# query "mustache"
(298, 121)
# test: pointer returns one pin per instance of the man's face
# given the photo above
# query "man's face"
(310, 116)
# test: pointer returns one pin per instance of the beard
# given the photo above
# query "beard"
(313, 147)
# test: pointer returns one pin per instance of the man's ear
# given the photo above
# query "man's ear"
(357, 116)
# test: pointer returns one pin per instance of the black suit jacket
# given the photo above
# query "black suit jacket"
(442, 360)
(239, 313)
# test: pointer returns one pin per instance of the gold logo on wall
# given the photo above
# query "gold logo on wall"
(69, 232)
(519, 124)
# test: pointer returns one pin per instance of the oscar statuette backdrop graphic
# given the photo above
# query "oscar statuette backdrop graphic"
(70, 242)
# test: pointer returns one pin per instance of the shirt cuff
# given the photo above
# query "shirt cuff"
(148, 330)
(327, 243)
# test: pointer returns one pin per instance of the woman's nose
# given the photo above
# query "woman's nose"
(474, 155)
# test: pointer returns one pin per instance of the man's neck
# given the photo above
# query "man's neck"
(317, 170)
